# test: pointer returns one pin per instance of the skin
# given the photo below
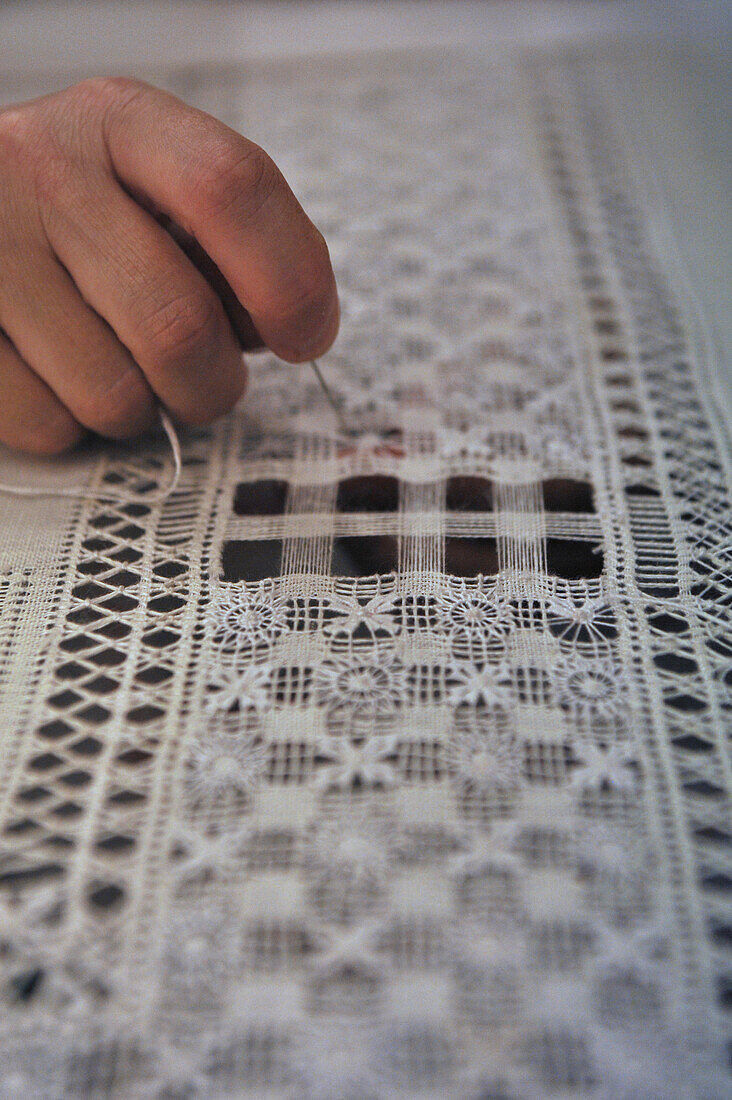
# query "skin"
(143, 244)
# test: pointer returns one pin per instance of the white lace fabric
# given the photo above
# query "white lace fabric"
(392, 764)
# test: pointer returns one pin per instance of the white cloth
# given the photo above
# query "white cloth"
(392, 764)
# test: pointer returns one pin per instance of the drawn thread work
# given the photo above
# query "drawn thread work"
(390, 764)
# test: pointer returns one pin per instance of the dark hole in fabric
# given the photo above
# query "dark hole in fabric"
(471, 556)
(32, 874)
(116, 843)
(369, 493)
(674, 662)
(106, 896)
(572, 559)
(636, 462)
(469, 494)
(669, 624)
(661, 591)
(25, 985)
(153, 675)
(562, 494)
(689, 704)
(251, 559)
(166, 603)
(362, 556)
(691, 743)
(613, 355)
(125, 798)
(260, 498)
(67, 809)
(704, 788)
(167, 569)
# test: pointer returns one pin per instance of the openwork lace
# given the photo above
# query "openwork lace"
(393, 764)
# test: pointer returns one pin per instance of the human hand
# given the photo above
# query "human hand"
(142, 245)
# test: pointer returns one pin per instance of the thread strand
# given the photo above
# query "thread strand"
(84, 493)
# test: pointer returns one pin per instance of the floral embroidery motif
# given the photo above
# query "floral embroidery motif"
(240, 691)
(590, 687)
(355, 848)
(243, 619)
(224, 763)
(484, 758)
(599, 766)
(370, 762)
(375, 615)
(592, 620)
(489, 685)
(473, 613)
(361, 687)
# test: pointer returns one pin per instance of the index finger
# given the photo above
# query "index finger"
(230, 195)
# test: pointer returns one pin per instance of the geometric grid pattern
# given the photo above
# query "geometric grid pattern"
(392, 763)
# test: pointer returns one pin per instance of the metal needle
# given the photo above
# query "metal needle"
(330, 398)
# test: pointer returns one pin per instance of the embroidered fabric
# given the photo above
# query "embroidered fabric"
(392, 764)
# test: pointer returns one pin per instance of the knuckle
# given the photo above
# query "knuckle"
(183, 328)
(37, 145)
(17, 130)
(237, 178)
(106, 91)
(54, 177)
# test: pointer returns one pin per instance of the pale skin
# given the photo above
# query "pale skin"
(143, 244)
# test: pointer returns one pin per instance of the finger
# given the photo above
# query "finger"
(226, 192)
(160, 307)
(31, 416)
(242, 324)
(68, 345)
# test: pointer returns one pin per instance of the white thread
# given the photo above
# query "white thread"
(85, 494)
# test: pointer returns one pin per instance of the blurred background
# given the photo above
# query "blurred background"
(130, 33)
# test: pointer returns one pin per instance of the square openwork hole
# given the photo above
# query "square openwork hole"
(260, 498)
(564, 494)
(364, 555)
(469, 494)
(368, 493)
(573, 559)
(251, 559)
(469, 557)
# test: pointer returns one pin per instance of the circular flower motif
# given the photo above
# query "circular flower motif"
(241, 619)
(473, 613)
(590, 687)
(225, 763)
(199, 950)
(483, 759)
(358, 686)
(353, 848)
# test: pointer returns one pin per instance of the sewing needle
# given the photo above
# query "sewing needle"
(330, 398)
